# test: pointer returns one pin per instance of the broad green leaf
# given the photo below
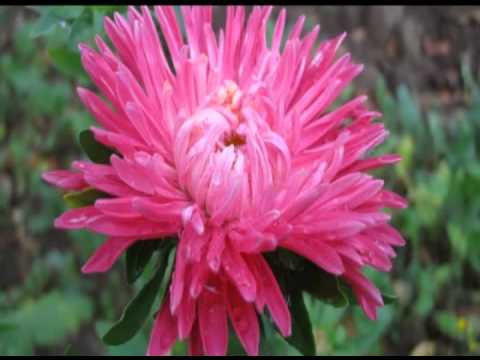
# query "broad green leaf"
(302, 334)
(389, 299)
(135, 347)
(68, 61)
(295, 273)
(138, 309)
(83, 198)
(137, 257)
(44, 25)
(95, 151)
(289, 260)
(324, 286)
(82, 28)
(271, 342)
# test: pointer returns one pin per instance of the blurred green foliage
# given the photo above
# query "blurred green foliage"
(48, 306)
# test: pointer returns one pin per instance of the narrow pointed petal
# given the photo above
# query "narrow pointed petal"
(65, 179)
(239, 271)
(195, 347)
(164, 331)
(107, 254)
(273, 296)
(213, 322)
(244, 320)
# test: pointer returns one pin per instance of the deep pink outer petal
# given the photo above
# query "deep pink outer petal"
(77, 218)
(195, 347)
(65, 179)
(164, 333)
(239, 272)
(321, 254)
(212, 315)
(106, 255)
(272, 294)
(186, 317)
(244, 320)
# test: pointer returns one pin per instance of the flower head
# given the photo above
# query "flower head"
(228, 141)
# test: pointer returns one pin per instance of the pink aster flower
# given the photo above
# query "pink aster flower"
(229, 142)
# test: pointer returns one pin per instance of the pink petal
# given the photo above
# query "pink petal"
(318, 252)
(65, 179)
(212, 314)
(164, 333)
(178, 277)
(125, 144)
(133, 174)
(244, 320)
(195, 347)
(272, 294)
(200, 274)
(373, 163)
(104, 178)
(139, 227)
(186, 316)
(117, 207)
(238, 270)
(215, 250)
(106, 255)
(159, 211)
(77, 218)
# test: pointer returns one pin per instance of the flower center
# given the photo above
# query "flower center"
(234, 139)
(230, 97)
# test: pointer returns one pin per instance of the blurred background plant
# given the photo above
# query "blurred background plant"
(48, 307)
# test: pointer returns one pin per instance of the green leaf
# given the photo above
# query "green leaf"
(83, 198)
(6, 326)
(67, 61)
(302, 334)
(82, 28)
(389, 299)
(324, 286)
(138, 309)
(138, 256)
(295, 273)
(135, 347)
(95, 151)
(44, 25)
